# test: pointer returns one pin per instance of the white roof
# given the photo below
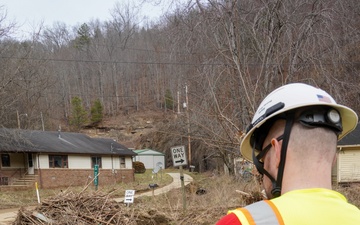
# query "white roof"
(148, 152)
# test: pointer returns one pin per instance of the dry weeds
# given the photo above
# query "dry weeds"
(351, 192)
(218, 195)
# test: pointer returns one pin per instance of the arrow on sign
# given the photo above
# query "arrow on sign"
(178, 155)
(180, 161)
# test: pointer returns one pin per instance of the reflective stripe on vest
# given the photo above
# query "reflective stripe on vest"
(259, 213)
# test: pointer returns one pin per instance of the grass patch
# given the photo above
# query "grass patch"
(14, 199)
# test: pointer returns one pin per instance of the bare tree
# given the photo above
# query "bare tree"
(229, 53)
(251, 48)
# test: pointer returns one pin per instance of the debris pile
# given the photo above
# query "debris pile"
(84, 208)
(252, 197)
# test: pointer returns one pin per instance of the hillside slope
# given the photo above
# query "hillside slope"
(128, 129)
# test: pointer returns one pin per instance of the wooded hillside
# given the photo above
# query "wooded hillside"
(223, 55)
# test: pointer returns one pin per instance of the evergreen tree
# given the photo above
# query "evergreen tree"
(96, 112)
(83, 37)
(169, 100)
(79, 114)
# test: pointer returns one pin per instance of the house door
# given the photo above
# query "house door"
(30, 163)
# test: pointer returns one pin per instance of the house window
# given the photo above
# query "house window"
(5, 160)
(58, 161)
(122, 162)
(96, 160)
(4, 181)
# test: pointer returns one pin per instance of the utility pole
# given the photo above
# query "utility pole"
(42, 121)
(188, 125)
(18, 117)
(178, 102)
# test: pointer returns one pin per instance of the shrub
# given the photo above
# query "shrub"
(169, 100)
(139, 167)
(97, 112)
(79, 115)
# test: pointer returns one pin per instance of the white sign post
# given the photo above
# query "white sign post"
(129, 196)
(179, 156)
(179, 159)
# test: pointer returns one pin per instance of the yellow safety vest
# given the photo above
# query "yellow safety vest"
(259, 213)
(299, 207)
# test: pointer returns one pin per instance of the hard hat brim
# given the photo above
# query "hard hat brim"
(349, 118)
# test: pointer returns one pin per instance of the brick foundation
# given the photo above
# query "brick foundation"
(9, 175)
(53, 178)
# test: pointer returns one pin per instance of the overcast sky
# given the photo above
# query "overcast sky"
(30, 13)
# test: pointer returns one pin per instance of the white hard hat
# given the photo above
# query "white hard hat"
(293, 96)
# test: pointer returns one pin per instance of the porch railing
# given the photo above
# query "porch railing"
(9, 179)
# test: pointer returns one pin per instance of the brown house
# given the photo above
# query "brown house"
(61, 159)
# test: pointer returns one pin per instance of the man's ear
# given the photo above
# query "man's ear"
(277, 148)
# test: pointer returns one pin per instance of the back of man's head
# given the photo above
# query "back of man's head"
(317, 143)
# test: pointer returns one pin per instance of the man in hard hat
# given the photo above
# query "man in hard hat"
(292, 141)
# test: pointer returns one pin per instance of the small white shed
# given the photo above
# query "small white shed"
(150, 158)
(347, 168)
(348, 164)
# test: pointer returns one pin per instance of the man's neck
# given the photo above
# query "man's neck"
(302, 178)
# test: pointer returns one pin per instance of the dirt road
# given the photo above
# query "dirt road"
(7, 216)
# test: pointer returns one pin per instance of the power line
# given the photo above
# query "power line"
(90, 95)
(112, 62)
(131, 49)
(164, 63)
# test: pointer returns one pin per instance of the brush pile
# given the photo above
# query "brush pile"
(83, 208)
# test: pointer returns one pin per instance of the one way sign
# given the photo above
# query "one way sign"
(179, 156)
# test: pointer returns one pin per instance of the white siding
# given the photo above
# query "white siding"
(349, 166)
(117, 162)
(158, 159)
(84, 162)
(114, 163)
(150, 160)
(16, 160)
(128, 162)
(146, 159)
(44, 161)
(107, 163)
(79, 162)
